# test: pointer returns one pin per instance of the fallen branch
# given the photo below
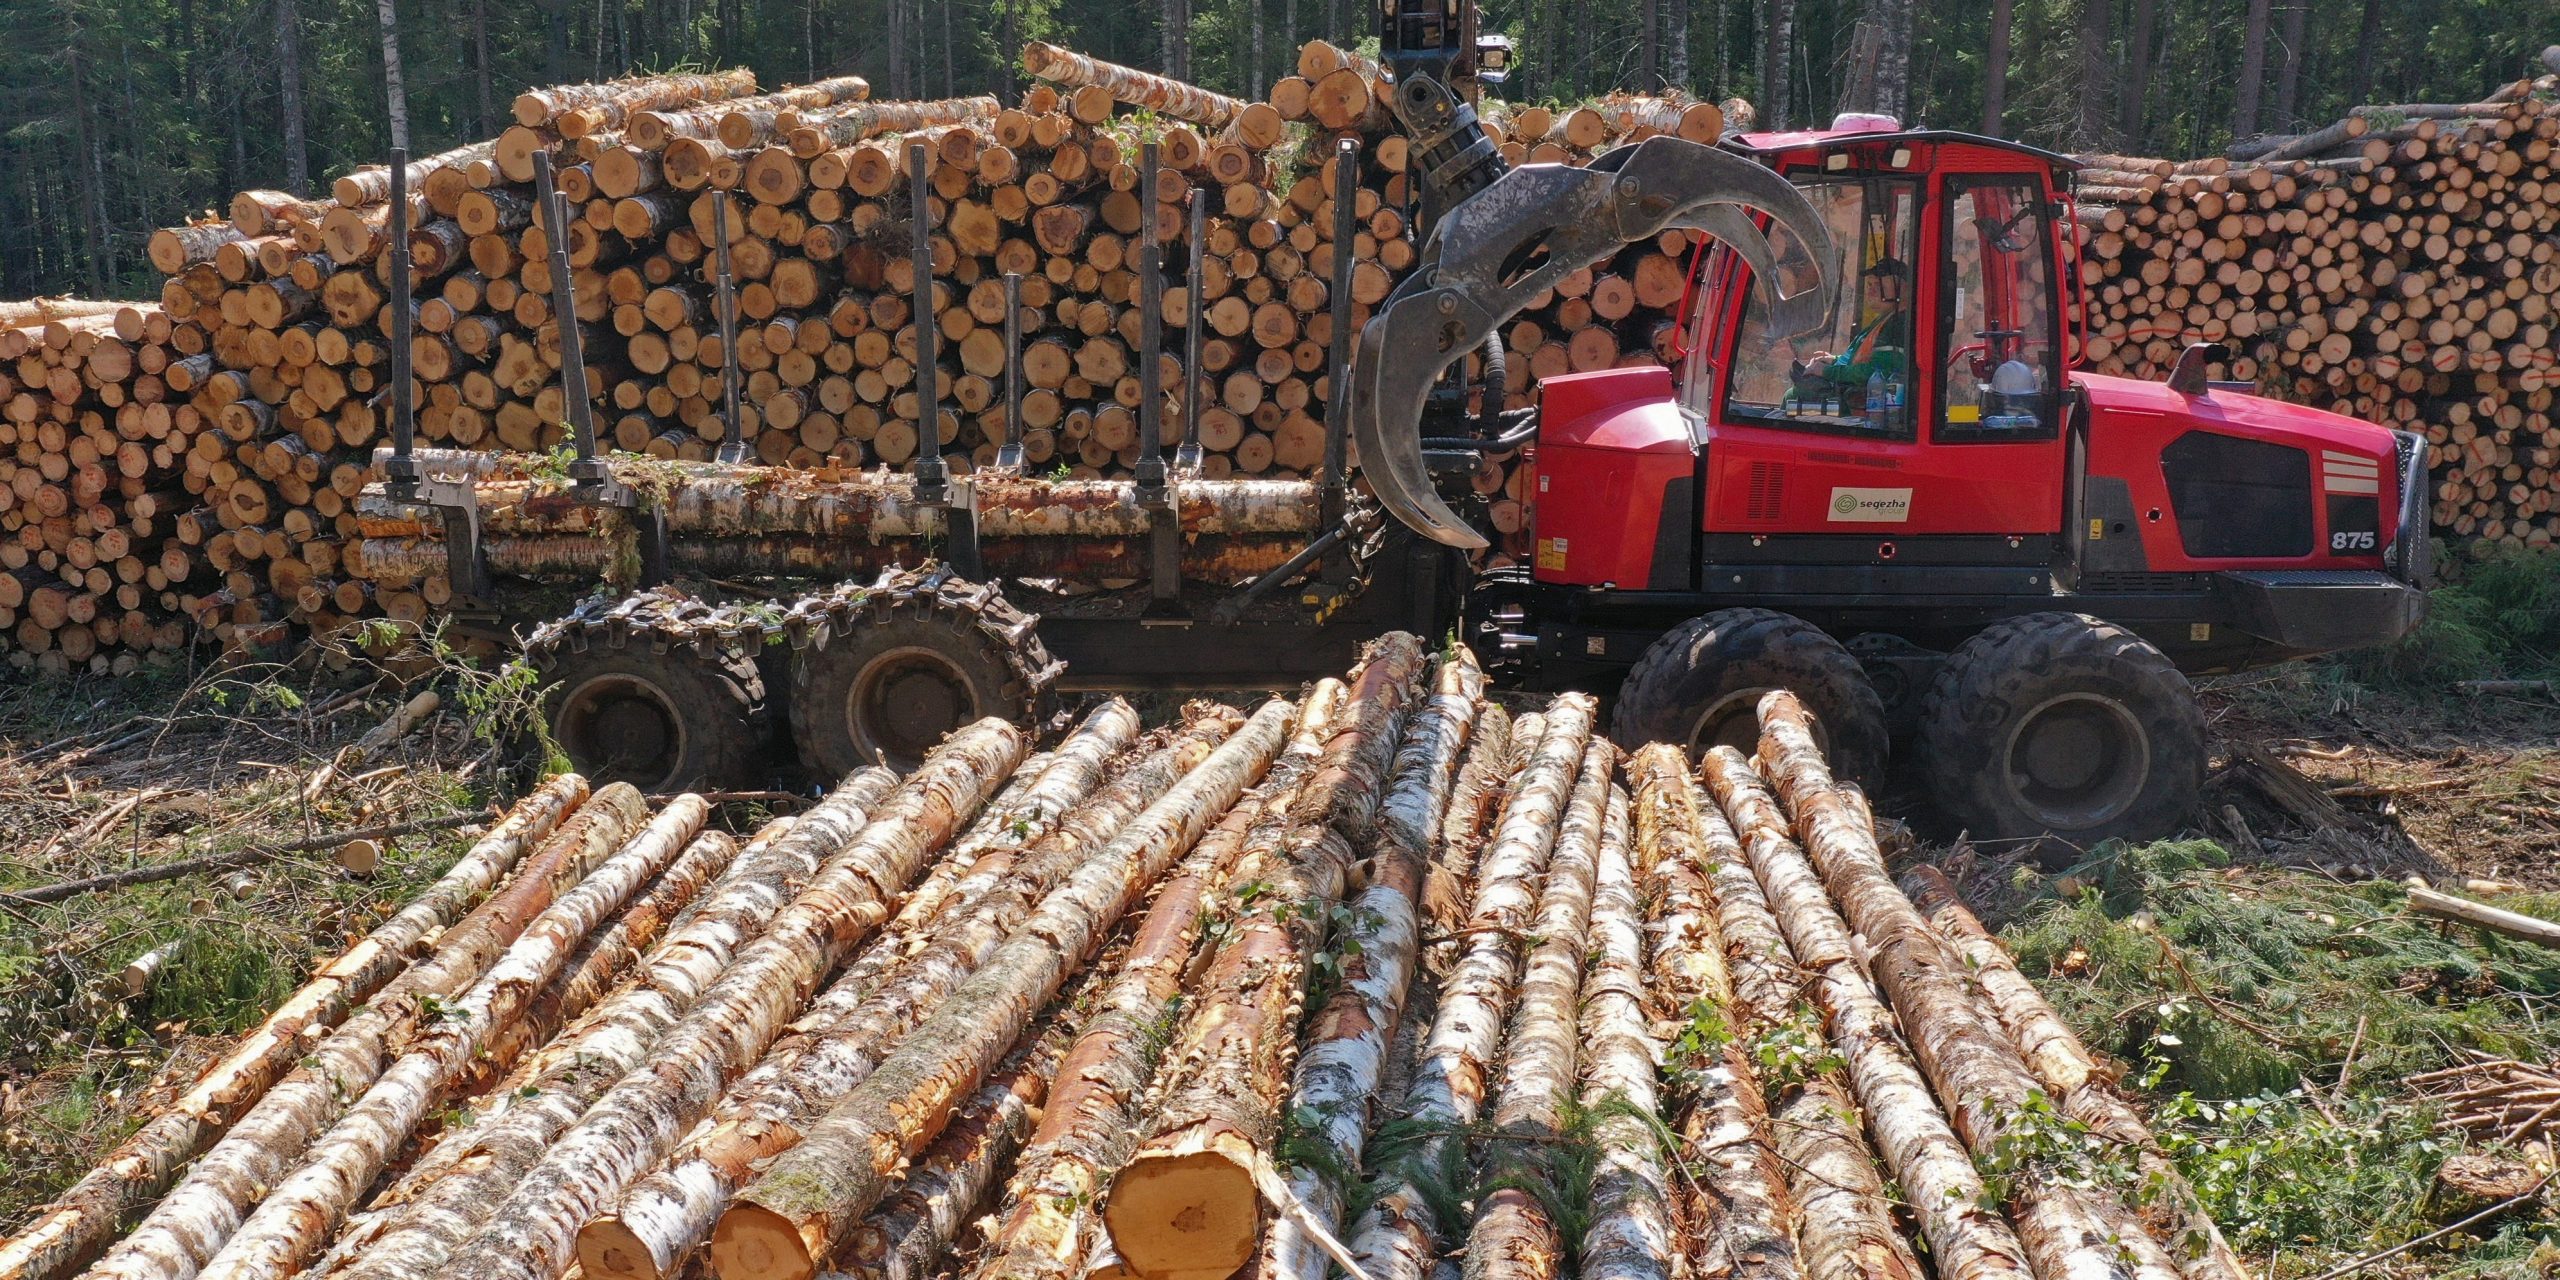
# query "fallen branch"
(2497, 920)
(235, 859)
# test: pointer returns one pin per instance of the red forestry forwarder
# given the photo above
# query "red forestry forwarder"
(1874, 479)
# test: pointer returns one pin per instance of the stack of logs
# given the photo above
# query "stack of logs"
(2398, 266)
(1169, 1003)
(255, 392)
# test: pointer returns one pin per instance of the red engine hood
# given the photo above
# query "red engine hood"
(2238, 412)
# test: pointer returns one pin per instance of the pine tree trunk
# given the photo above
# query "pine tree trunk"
(2289, 64)
(1995, 67)
(194, 1222)
(1188, 1201)
(395, 90)
(2368, 43)
(1776, 64)
(866, 851)
(413, 1230)
(1845, 1227)
(2132, 107)
(297, 153)
(88, 1215)
(1400, 1236)
(793, 1217)
(2069, 1071)
(1090, 1122)
(1340, 1071)
(2091, 100)
(1724, 1120)
(1514, 1235)
(295, 1219)
(1675, 47)
(667, 1215)
(1968, 1239)
(1630, 1236)
(2253, 71)
(2067, 1230)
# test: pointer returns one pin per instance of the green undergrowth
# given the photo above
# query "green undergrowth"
(2272, 1015)
(2497, 617)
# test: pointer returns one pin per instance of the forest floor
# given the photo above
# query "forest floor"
(2265, 985)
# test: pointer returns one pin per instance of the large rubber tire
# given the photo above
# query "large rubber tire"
(1700, 686)
(2063, 729)
(661, 721)
(896, 669)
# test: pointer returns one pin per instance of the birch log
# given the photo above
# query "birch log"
(1514, 1235)
(1492, 757)
(412, 1230)
(1400, 1237)
(87, 1216)
(1724, 1120)
(799, 1210)
(294, 1221)
(194, 1221)
(2066, 1068)
(1090, 1122)
(2067, 1231)
(1630, 1234)
(1348, 1043)
(668, 1214)
(1844, 1222)
(868, 851)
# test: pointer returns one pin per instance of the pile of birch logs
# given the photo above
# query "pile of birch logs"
(256, 391)
(2398, 266)
(1164, 1003)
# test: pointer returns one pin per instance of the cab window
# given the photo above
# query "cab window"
(1854, 372)
(1996, 311)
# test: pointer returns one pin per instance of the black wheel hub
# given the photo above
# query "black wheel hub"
(2078, 761)
(621, 728)
(907, 700)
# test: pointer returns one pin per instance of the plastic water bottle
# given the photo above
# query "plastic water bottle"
(1879, 402)
(1831, 401)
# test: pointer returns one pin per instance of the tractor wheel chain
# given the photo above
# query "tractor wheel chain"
(663, 620)
(813, 620)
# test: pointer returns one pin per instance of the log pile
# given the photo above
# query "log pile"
(201, 461)
(1358, 980)
(2396, 266)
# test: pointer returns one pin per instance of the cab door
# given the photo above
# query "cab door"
(1906, 448)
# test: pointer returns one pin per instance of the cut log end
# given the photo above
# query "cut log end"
(755, 1243)
(1193, 1215)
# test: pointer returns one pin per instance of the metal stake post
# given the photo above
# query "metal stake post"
(1009, 454)
(733, 446)
(457, 502)
(1164, 577)
(1337, 408)
(1188, 457)
(932, 474)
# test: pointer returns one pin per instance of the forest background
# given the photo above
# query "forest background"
(118, 116)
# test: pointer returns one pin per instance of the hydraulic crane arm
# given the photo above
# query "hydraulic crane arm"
(1514, 238)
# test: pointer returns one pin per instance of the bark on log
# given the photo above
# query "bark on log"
(610, 104)
(1630, 1236)
(1091, 1122)
(1400, 1237)
(87, 1216)
(414, 1228)
(867, 851)
(1348, 1043)
(1160, 94)
(670, 1213)
(1968, 1239)
(2067, 1069)
(1845, 1228)
(1724, 1131)
(2497, 920)
(2067, 1231)
(1513, 1234)
(795, 1215)
(1188, 1202)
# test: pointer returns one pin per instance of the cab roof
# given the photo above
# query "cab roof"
(1769, 145)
